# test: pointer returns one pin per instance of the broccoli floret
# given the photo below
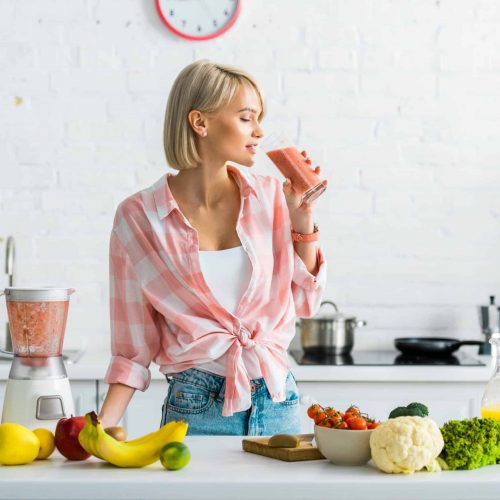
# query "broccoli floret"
(412, 410)
(400, 411)
(469, 444)
(421, 407)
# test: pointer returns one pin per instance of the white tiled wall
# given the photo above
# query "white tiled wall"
(399, 101)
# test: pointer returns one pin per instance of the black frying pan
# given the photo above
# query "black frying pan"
(431, 346)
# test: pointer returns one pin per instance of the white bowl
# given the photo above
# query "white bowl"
(343, 446)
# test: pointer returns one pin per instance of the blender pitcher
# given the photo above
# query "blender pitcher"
(37, 320)
(490, 404)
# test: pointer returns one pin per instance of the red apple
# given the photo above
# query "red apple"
(66, 438)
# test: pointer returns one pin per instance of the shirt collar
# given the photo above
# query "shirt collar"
(165, 202)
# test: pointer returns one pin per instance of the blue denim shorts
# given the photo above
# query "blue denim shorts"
(197, 397)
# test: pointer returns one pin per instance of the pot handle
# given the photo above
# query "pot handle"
(330, 303)
(470, 342)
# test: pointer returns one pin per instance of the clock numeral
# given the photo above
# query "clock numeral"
(226, 12)
(183, 22)
(198, 28)
(171, 12)
(215, 22)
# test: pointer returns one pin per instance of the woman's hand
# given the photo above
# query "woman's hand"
(300, 215)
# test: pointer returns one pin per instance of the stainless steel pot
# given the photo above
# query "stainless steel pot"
(328, 334)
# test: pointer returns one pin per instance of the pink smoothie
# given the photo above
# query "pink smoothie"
(37, 328)
(293, 165)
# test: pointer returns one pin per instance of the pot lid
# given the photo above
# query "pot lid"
(328, 315)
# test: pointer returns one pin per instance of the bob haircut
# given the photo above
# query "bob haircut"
(204, 86)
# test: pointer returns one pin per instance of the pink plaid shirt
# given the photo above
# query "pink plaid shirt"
(163, 311)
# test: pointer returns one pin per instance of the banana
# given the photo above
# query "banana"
(136, 453)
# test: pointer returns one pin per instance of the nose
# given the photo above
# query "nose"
(257, 131)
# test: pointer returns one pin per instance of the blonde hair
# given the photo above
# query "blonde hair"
(204, 86)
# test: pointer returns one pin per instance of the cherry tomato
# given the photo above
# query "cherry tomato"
(354, 410)
(331, 412)
(357, 424)
(311, 411)
(342, 425)
(319, 417)
(373, 425)
(328, 422)
(324, 423)
(336, 419)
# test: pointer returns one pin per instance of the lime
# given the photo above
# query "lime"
(175, 455)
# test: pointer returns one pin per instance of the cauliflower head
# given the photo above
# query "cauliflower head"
(406, 444)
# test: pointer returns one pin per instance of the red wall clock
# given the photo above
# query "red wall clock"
(198, 19)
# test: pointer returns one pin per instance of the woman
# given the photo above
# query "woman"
(206, 278)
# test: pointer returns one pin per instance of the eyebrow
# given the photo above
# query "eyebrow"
(248, 109)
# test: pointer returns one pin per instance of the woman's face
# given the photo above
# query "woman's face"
(234, 132)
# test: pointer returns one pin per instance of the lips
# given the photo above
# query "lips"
(252, 148)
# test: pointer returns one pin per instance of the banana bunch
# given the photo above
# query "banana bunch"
(137, 453)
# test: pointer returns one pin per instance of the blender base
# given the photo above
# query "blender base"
(37, 403)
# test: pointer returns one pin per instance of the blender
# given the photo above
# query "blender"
(490, 404)
(489, 318)
(38, 392)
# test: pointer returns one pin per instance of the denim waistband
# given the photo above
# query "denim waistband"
(211, 381)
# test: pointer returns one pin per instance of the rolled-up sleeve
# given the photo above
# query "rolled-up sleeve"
(135, 338)
(307, 288)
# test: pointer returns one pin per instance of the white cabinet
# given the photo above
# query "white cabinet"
(84, 396)
(2, 395)
(144, 411)
(446, 400)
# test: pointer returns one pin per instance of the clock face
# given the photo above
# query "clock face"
(198, 19)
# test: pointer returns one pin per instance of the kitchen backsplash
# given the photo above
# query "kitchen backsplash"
(399, 102)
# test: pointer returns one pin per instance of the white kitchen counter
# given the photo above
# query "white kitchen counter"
(93, 366)
(219, 469)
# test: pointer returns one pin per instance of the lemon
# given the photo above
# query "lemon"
(47, 443)
(18, 445)
(175, 455)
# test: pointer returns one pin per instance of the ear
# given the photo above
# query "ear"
(198, 122)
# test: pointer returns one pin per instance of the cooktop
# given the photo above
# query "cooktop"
(383, 358)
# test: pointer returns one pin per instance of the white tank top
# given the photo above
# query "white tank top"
(227, 273)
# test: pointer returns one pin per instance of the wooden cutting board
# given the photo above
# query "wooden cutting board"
(305, 450)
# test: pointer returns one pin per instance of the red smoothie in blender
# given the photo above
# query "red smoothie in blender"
(37, 328)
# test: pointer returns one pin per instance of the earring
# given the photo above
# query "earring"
(204, 134)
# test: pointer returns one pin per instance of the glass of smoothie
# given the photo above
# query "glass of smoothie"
(293, 165)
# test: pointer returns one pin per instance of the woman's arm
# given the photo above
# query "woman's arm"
(307, 251)
(115, 404)
(309, 272)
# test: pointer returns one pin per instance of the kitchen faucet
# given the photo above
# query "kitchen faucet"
(10, 254)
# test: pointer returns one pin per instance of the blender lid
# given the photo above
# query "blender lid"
(35, 294)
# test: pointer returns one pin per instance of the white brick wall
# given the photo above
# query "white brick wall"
(398, 101)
